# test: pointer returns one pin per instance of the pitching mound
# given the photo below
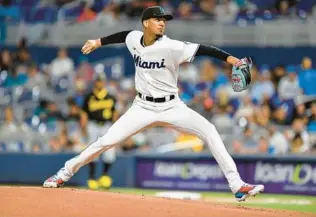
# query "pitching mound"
(39, 202)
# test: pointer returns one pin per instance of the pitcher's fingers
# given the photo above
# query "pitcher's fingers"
(86, 51)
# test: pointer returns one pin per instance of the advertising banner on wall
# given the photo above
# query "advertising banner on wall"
(284, 177)
(206, 175)
(181, 174)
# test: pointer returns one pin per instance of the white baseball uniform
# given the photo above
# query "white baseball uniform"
(156, 76)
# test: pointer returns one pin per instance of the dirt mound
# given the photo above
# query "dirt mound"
(67, 202)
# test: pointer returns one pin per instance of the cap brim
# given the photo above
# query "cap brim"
(166, 16)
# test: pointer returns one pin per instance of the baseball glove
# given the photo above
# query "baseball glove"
(241, 76)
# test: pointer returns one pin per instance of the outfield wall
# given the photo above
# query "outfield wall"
(290, 175)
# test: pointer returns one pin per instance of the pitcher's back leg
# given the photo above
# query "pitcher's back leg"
(135, 119)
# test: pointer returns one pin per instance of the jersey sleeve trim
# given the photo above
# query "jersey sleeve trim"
(118, 37)
(212, 51)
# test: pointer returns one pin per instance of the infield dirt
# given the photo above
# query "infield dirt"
(69, 202)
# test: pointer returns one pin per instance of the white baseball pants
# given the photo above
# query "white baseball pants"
(174, 113)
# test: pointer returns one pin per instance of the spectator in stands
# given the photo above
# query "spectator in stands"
(222, 121)
(110, 15)
(76, 114)
(48, 112)
(298, 136)
(10, 124)
(248, 145)
(129, 145)
(87, 14)
(278, 144)
(289, 86)
(60, 3)
(311, 127)
(133, 9)
(12, 132)
(7, 12)
(209, 74)
(222, 118)
(35, 78)
(14, 79)
(300, 112)
(284, 7)
(22, 43)
(22, 60)
(279, 114)
(80, 88)
(263, 89)
(224, 74)
(277, 74)
(188, 73)
(5, 61)
(207, 8)
(307, 76)
(167, 6)
(226, 11)
(84, 71)
(246, 108)
(61, 65)
(184, 10)
(61, 142)
(262, 121)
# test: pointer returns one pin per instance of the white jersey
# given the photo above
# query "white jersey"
(157, 65)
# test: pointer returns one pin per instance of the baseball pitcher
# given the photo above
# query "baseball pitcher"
(157, 59)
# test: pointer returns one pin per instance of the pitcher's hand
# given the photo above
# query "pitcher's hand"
(90, 46)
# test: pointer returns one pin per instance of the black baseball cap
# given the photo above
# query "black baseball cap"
(154, 12)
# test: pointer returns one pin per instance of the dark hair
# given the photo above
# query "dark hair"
(71, 101)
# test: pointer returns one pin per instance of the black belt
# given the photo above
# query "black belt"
(152, 99)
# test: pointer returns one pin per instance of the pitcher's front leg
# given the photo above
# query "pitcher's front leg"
(186, 119)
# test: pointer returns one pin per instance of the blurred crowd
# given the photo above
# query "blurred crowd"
(225, 11)
(108, 13)
(219, 10)
(41, 106)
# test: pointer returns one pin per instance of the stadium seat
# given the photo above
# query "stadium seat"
(99, 5)
(5, 96)
(62, 85)
(264, 4)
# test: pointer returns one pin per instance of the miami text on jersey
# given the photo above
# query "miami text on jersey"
(148, 65)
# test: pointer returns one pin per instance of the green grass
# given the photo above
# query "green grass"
(272, 201)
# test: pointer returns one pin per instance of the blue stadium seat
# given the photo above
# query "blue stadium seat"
(307, 81)
(40, 15)
(12, 146)
(2, 147)
(44, 15)
(6, 96)
(72, 12)
(305, 5)
(264, 4)
(26, 3)
(3, 76)
(311, 127)
(28, 95)
(99, 5)
(62, 85)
